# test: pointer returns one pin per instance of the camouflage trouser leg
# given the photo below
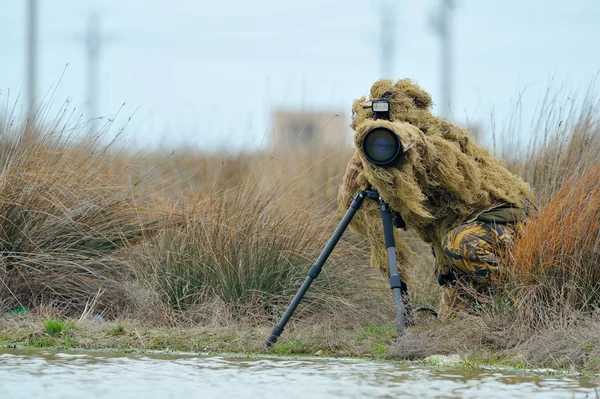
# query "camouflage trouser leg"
(474, 250)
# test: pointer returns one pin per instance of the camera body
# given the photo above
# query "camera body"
(383, 147)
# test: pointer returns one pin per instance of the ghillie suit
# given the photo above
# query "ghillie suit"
(453, 193)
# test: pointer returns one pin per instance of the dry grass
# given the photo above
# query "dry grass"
(494, 339)
(66, 210)
(547, 314)
(225, 240)
(216, 239)
(248, 249)
(553, 268)
(563, 140)
(307, 174)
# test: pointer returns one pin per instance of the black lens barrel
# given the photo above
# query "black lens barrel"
(382, 146)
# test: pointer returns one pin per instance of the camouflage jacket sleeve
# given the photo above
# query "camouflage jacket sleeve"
(367, 221)
(354, 180)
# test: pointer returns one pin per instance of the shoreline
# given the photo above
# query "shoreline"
(452, 362)
(302, 342)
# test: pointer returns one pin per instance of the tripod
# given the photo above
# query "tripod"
(395, 283)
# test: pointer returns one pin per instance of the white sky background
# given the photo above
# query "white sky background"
(207, 73)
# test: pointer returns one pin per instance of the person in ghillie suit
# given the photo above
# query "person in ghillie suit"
(453, 193)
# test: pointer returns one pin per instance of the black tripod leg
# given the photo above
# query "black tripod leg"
(315, 269)
(395, 281)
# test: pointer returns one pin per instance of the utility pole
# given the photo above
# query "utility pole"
(32, 36)
(387, 41)
(93, 44)
(444, 30)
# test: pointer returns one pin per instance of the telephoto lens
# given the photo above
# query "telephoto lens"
(382, 147)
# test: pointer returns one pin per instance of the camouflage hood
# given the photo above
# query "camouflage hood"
(443, 177)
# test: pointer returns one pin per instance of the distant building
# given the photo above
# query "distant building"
(309, 128)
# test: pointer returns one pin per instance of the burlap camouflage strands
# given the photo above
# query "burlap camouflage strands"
(444, 180)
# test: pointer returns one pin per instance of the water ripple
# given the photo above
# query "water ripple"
(95, 375)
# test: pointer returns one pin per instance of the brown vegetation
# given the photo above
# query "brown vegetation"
(555, 265)
(547, 313)
(225, 240)
(172, 238)
(66, 210)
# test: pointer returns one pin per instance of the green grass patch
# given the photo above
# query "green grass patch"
(380, 349)
(55, 327)
(43, 342)
(378, 334)
(118, 330)
(296, 347)
(431, 362)
(226, 337)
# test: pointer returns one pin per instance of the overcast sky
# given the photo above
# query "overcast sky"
(208, 73)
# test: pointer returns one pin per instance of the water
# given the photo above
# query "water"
(37, 374)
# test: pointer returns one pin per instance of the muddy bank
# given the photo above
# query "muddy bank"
(472, 343)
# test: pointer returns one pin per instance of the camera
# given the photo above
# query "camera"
(381, 145)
